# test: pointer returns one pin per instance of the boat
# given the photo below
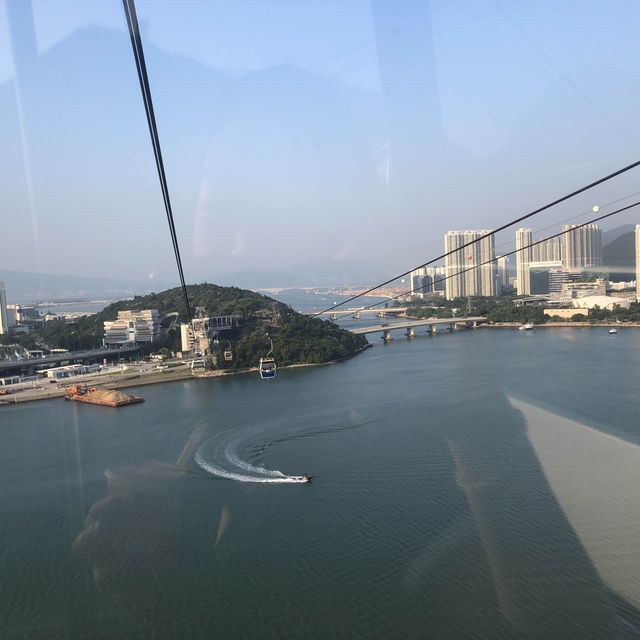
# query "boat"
(304, 478)
(612, 331)
(526, 327)
(104, 397)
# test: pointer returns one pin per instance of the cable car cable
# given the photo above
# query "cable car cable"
(138, 53)
(571, 218)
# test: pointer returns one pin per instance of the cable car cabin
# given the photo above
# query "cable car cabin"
(267, 368)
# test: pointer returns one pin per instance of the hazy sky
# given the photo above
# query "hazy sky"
(304, 132)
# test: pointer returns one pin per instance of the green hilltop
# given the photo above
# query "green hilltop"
(297, 339)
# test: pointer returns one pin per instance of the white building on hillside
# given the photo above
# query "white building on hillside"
(133, 326)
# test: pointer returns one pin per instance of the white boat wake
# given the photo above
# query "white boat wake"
(222, 455)
(219, 457)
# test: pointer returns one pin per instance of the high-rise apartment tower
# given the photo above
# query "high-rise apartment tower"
(470, 271)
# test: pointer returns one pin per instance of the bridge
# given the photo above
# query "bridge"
(29, 365)
(410, 326)
(356, 312)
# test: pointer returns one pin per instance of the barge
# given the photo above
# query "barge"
(105, 397)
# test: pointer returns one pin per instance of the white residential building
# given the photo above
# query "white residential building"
(581, 246)
(502, 274)
(4, 322)
(523, 258)
(547, 250)
(470, 271)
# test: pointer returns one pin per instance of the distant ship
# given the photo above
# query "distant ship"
(613, 331)
(526, 327)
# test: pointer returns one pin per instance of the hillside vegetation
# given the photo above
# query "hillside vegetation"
(297, 339)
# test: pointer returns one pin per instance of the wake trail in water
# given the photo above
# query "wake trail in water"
(222, 453)
(232, 475)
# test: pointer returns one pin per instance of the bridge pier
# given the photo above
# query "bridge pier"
(386, 335)
(410, 332)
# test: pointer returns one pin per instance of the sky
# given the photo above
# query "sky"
(304, 137)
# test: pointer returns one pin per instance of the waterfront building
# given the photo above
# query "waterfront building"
(567, 314)
(603, 302)
(523, 258)
(573, 290)
(557, 278)
(581, 246)
(540, 275)
(133, 326)
(621, 286)
(4, 323)
(638, 262)
(470, 271)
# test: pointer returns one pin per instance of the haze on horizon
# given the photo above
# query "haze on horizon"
(304, 133)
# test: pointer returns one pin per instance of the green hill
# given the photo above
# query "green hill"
(297, 338)
(620, 256)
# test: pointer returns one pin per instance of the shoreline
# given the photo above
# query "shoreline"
(138, 380)
(564, 325)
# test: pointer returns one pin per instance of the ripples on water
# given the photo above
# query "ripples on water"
(462, 488)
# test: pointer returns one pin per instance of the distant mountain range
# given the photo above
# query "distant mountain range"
(610, 235)
(620, 256)
(331, 273)
(23, 287)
